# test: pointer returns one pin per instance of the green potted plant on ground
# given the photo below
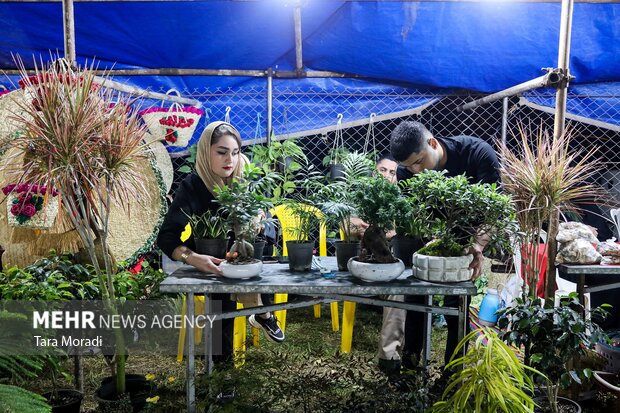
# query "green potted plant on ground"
(78, 142)
(209, 232)
(551, 338)
(489, 378)
(241, 203)
(544, 176)
(457, 212)
(380, 204)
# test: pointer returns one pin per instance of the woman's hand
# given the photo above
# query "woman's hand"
(205, 263)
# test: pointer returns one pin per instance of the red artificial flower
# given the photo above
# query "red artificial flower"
(29, 210)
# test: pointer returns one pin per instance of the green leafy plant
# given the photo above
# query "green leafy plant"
(190, 160)
(83, 140)
(207, 225)
(544, 176)
(335, 200)
(16, 399)
(380, 204)
(489, 378)
(285, 157)
(457, 212)
(242, 201)
(336, 156)
(551, 338)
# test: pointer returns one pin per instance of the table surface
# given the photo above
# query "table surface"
(278, 278)
(589, 269)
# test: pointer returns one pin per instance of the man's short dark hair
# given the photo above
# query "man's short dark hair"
(407, 138)
(385, 156)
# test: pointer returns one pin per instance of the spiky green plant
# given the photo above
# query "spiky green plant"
(83, 140)
(544, 176)
(335, 200)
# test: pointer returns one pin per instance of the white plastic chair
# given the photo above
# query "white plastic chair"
(615, 216)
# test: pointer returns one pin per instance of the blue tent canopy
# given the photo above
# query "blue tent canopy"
(400, 46)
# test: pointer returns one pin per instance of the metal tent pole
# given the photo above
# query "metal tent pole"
(550, 79)
(69, 30)
(269, 105)
(566, 23)
(299, 64)
(504, 120)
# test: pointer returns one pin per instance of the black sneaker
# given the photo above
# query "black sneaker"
(410, 363)
(270, 327)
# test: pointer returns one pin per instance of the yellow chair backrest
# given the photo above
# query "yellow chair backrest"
(187, 232)
(288, 221)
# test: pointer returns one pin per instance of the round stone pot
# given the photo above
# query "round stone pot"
(371, 272)
(213, 247)
(345, 251)
(241, 271)
(567, 405)
(299, 255)
(442, 269)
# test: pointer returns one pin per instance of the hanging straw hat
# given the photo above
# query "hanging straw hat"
(10, 106)
(132, 231)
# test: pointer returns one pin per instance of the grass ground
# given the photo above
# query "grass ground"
(307, 373)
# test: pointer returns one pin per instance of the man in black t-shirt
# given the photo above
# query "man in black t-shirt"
(416, 149)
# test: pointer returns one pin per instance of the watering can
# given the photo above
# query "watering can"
(490, 304)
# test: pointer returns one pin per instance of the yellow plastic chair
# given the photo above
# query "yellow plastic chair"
(199, 308)
(288, 221)
(348, 320)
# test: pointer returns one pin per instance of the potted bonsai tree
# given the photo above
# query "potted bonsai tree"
(380, 204)
(457, 213)
(209, 232)
(242, 202)
(551, 338)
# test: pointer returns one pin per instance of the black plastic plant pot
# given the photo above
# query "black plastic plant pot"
(66, 401)
(259, 247)
(346, 250)
(214, 247)
(138, 387)
(299, 255)
(336, 171)
(404, 247)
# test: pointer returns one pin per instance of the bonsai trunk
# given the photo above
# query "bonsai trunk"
(243, 248)
(374, 246)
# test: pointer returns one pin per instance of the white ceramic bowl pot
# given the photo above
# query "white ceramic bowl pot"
(371, 272)
(241, 271)
(442, 269)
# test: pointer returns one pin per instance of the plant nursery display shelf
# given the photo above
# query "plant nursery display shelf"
(277, 278)
(591, 278)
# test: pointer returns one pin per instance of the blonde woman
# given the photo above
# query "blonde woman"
(218, 160)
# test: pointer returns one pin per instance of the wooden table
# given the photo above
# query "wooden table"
(277, 278)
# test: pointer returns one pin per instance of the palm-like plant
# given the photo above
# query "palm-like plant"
(544, 176)
(335, 200)
(82, 140)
